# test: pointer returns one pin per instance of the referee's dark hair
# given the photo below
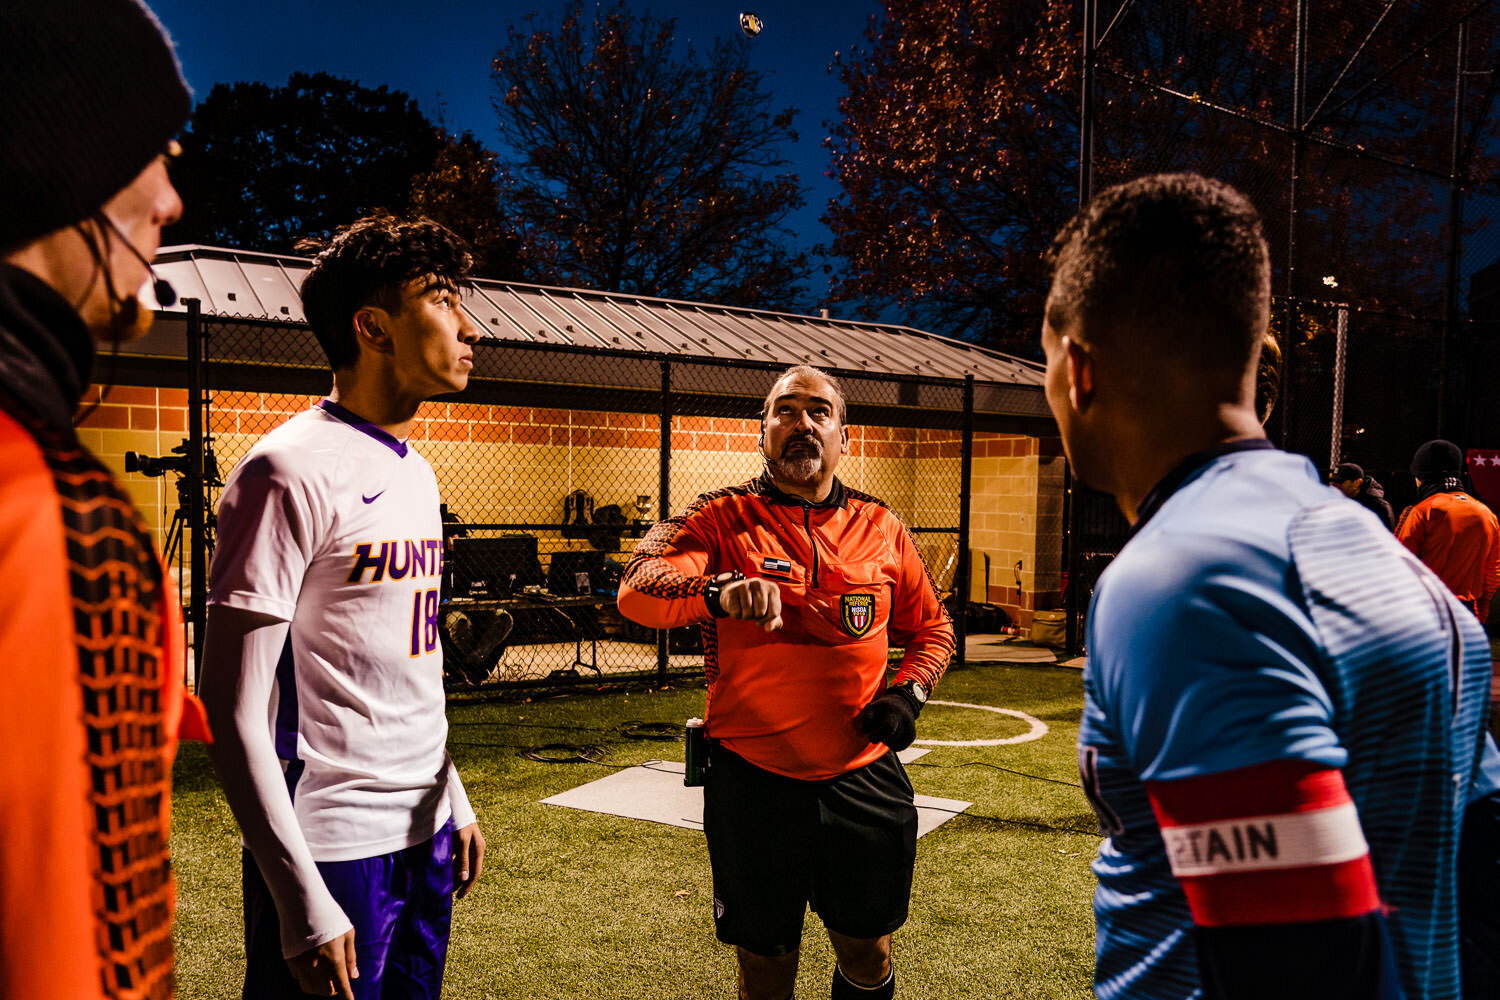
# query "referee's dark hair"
(367, 263)
(1172, 269)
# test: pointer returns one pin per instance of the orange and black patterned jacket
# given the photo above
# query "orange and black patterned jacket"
(852, 585)
(92, 667)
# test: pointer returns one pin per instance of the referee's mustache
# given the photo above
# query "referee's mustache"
(804, 439)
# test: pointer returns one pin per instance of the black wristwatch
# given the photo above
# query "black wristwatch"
(915, 691)
(714, 588)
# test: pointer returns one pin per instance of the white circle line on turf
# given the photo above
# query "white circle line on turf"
(1037, 731)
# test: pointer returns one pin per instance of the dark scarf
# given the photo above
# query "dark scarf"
(46, 353)
(1447, 484)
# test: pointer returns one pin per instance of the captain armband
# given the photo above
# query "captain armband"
(1271, 844)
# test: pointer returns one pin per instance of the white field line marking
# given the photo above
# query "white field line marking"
(1037, 731)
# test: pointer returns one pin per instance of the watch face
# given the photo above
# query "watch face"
(920, 692)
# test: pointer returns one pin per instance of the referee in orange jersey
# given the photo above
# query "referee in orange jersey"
(801, 584)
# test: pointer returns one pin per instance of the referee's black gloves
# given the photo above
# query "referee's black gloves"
(891, 718)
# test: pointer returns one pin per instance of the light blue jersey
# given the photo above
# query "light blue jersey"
(1258, 616)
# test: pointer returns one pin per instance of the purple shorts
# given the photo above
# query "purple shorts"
(401, 905)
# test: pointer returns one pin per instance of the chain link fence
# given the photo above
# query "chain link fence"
(554, 462)
(1364, 133)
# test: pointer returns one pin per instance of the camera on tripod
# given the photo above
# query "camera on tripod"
(189, 498)
(147, 466)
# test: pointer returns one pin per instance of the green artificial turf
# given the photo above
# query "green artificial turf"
(582, 905)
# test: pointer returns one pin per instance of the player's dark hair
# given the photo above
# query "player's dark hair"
(1177, 261)
(367, 263)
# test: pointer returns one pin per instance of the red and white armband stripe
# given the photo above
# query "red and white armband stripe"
(1270, 844)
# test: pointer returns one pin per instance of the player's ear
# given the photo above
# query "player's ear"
(1081, 374)
(370, 323)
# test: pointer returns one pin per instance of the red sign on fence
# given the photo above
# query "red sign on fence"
(1484, 472)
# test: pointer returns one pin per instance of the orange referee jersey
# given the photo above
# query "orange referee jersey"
(1458, 538)
(851, 585)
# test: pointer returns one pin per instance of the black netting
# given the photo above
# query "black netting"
(1360, 194)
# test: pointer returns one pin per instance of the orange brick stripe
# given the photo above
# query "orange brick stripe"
(256, 413)
(117, 588)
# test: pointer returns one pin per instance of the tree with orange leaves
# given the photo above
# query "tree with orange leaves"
(952, 157)
(957, 147)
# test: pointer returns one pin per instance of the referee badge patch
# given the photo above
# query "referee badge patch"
(858, 613)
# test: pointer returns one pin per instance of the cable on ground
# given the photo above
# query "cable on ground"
(666, 732)
(564, 753)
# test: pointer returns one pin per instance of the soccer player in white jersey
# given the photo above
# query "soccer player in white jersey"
(322, 669)
(1282, 708)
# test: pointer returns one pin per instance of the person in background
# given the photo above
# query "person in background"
(1351, 480)
(91, 648)
(1456, 535)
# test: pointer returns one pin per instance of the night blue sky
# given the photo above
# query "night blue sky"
(440, 51)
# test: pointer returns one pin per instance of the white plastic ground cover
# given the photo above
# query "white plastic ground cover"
(653, 791)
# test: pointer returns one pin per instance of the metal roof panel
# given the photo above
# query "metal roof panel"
(230, 292)
(273, 289)
(243, 284)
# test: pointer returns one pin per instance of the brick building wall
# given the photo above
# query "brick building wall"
(503, 464)
(1015, 519)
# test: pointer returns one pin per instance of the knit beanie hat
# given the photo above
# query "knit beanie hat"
(1436, 458)
(91, 92)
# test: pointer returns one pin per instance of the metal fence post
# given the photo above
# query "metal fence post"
(196, 549)
(1455, 220)
(1340, 350)
(1288, 400)
(1086, 111)
(1085, 191)
(664, 490)
(965, 481)
(1071, 610)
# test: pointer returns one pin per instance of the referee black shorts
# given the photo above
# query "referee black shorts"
(846, 845)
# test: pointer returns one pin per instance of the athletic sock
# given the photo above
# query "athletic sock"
(846, 989)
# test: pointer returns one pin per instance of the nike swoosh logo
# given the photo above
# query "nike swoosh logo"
(370, 499)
